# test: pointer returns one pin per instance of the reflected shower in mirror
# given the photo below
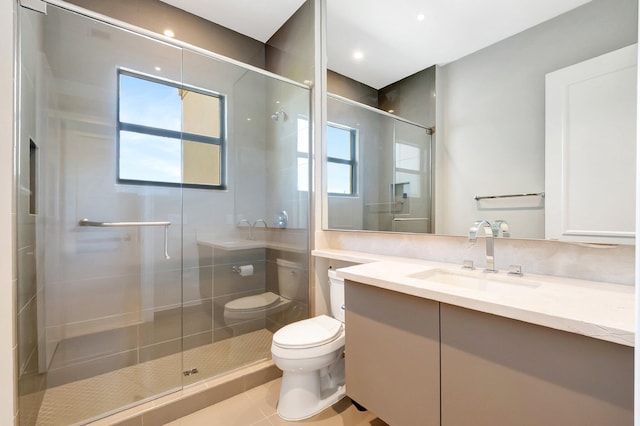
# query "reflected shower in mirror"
(490, 137)
(365, 190)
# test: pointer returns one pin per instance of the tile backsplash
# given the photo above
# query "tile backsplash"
(606, 263)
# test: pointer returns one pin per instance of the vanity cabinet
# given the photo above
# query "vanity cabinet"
(415, 361)
(497, 371)
(392, 353)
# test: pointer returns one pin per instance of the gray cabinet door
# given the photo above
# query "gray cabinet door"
(393, 354)
(497, 371)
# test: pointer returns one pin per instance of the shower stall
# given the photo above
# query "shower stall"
(393, 189)
(154, 187)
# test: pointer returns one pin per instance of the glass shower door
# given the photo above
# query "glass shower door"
(412, 187)
(258, 133)
(100, 151)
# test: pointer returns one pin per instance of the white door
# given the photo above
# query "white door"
(590, 150)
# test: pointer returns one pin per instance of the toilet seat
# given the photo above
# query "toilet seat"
(309, 333)
(252, 303)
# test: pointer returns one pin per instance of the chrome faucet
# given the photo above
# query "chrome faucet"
(264, 222)
(488, 237)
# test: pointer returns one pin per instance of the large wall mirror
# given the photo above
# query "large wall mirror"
(459, 112)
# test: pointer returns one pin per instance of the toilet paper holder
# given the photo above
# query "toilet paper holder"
(243, 270)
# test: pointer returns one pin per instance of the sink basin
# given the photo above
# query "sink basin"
(476, 280)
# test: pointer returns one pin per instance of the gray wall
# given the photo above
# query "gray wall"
(156, 16)
(413, 97)
(491, 114)
(289, 52)
(346, 87)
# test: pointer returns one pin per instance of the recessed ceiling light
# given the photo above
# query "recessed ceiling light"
(358, 55)
(158, 69)
(169, 33)
(420, 17)
(391, 111)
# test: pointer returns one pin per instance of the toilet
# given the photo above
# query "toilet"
(310, 354)
(261, 305)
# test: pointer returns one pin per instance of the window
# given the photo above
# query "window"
(341, 160)
(169, 135)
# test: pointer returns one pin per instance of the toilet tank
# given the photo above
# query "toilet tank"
(336, 294)
(290, 282)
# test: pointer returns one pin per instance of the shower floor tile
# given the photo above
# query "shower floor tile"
(82, 400)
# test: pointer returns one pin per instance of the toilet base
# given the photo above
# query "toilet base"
(303, 395)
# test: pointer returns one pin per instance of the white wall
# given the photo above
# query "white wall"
(8, 278)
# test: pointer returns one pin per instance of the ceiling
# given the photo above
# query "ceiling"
(393, 42)
(258, 19)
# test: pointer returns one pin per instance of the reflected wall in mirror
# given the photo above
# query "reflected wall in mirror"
(490, 124)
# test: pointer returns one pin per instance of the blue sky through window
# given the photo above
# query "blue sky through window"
(142, 156)
(150, 158)
(148, 103)
(338, 143)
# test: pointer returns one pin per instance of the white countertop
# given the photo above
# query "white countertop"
(600, 310)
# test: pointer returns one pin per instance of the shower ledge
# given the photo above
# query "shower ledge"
(234, 245)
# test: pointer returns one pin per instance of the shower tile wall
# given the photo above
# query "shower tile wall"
(288, 54)
(299, 309)
(229, 285)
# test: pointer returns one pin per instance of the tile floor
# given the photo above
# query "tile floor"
(257, 407)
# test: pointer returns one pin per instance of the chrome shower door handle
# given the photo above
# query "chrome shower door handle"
(87, 222)
(166, 241)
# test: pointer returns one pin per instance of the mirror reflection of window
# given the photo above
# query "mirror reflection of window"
(409, 168)
(341, 160)
(169, 135)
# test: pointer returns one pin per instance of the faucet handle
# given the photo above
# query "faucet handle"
(467, 264)
(515, 270)
(500, 225)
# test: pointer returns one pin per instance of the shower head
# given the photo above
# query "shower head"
(279, 114)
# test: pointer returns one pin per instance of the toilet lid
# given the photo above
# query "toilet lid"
(249, 303)
(308, 333)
